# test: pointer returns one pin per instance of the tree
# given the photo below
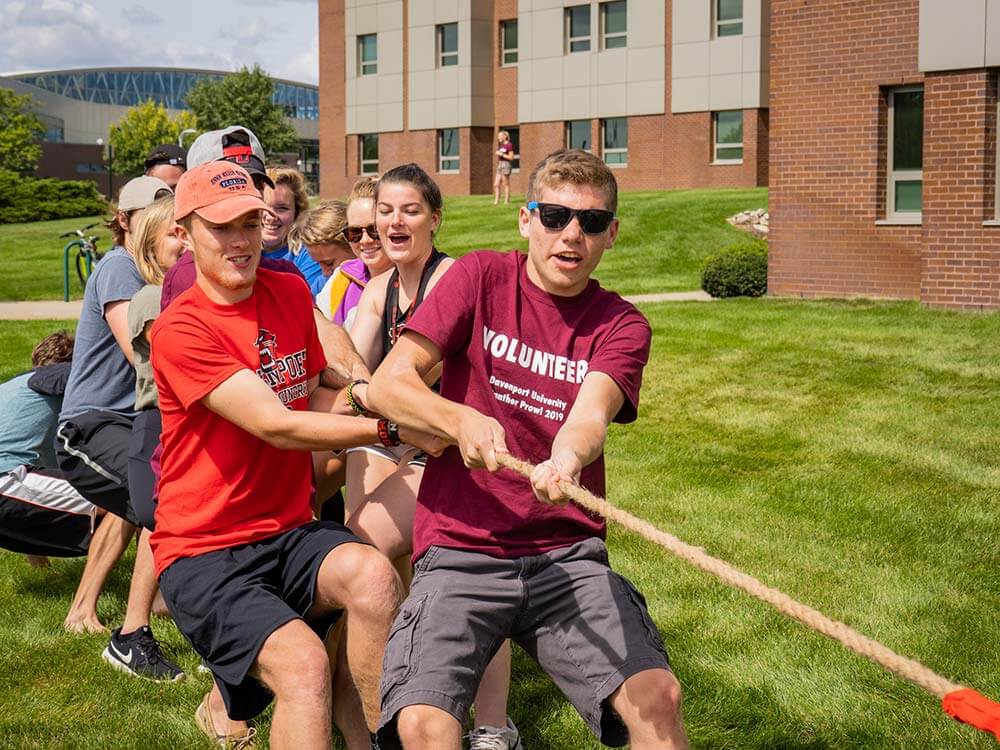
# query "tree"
(143, 127)
(20, 130)
(244, 98)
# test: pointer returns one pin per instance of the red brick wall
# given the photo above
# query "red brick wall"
(961, 258)
(832, 65)
(338, 155)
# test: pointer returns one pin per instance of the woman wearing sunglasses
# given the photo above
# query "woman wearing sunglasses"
(338, 300)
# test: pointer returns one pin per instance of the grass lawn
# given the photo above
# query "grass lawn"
(843, 452)
(663, 239)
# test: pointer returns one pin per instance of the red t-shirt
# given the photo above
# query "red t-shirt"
(519, 355)
(220, 486)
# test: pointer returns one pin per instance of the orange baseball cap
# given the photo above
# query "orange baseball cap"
(218, 191)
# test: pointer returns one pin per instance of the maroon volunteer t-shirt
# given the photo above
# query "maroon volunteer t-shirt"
(519, 355)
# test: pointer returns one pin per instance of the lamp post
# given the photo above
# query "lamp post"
(111, 171)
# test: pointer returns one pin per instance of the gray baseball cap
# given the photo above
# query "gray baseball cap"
(142, 191)
(235, 144)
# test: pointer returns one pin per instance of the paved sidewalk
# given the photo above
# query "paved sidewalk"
(40, 310)
(57, 310)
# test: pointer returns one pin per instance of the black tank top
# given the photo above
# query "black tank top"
(393, 319)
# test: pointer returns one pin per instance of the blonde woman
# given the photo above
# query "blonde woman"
(505, 165)
(339, 298)
(156, 249)
(288, 200)
(320, 233)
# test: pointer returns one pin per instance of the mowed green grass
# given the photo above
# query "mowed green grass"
(842, 452)
(663, 238)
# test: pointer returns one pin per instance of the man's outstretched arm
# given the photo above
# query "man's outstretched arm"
(581, 438)
(399, 392)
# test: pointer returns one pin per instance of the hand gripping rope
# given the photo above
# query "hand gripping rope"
(961, 703)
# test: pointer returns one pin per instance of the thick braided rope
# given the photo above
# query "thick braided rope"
(906, 668)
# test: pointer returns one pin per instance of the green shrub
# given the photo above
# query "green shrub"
(38, 199)
(739, 270)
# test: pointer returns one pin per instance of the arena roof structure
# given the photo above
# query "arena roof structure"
(128, 87)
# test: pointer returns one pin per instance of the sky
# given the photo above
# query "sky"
(279, 35)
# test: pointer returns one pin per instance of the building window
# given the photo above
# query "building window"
(578, 134)
(727, 137)
(369, 153)
(578, 28)
(728, 17)
(447, 44)
(508, 43)
(448, 150)
(515, 139)
(614, 136)
(906, 152)
(613, 24)
(368, 54)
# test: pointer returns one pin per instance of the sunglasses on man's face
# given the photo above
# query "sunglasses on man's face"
(554, 216)
(353, 234)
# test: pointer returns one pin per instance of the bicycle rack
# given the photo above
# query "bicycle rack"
(70, 246)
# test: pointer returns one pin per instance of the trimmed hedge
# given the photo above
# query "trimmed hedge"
(38, 199)
(739, 270)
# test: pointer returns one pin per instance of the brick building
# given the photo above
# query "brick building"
(671, 94)
(884, 150)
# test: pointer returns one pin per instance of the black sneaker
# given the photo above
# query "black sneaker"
(139, 654)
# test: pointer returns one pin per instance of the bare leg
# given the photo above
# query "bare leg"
(106, 547)
(329, 473)
(347, 711)
(491, 698)
(650, 705)
(496, 187)
(428, 728)
(384, 517)
(143, 587)
(365, 472)
(294, 665)
(360, 580)
(506, 189)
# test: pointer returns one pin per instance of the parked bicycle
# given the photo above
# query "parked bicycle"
(87, 255)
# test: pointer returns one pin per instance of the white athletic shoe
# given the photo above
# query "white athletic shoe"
(495, 738)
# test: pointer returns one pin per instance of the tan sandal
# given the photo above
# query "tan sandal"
(242, 740)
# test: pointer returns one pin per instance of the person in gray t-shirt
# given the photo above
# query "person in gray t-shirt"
(96, 423)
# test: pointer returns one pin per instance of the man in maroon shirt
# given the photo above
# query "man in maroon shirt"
(537, 359)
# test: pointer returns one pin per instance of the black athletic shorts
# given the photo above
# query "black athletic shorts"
(41, 514)
(141, 480)
(92, 450)
(227, 602)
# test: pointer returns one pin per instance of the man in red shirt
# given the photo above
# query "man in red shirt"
(538, 359)
(251, 580)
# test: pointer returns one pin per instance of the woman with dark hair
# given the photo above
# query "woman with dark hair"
(382, 482)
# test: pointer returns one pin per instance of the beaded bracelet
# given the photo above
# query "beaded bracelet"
(356, 406)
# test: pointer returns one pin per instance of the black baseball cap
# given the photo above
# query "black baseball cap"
(167, 153)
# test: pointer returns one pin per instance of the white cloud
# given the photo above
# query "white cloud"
(140, 15)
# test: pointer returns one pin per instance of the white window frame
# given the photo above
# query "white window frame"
(441, 54)
(893, 175)
(605, 36)
(505, 52)
(457, 158)
(715, 140)
(618, 149)
(362, 64)
(568, 24)
(365, 164)
(590, 132)
(716, 23)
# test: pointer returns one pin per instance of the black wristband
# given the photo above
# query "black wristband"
(388, 433)
(394, 433)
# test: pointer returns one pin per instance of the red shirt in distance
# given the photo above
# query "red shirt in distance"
(518, 354)
(220, 486)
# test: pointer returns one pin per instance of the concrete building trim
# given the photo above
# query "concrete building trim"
(375, 101)
(714, 73)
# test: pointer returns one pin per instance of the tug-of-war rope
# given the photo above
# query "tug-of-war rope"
(961, 703)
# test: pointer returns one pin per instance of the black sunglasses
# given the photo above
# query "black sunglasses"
(353, 234)
(554, 216)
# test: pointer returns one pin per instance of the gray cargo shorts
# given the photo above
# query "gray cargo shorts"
(584, 624)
